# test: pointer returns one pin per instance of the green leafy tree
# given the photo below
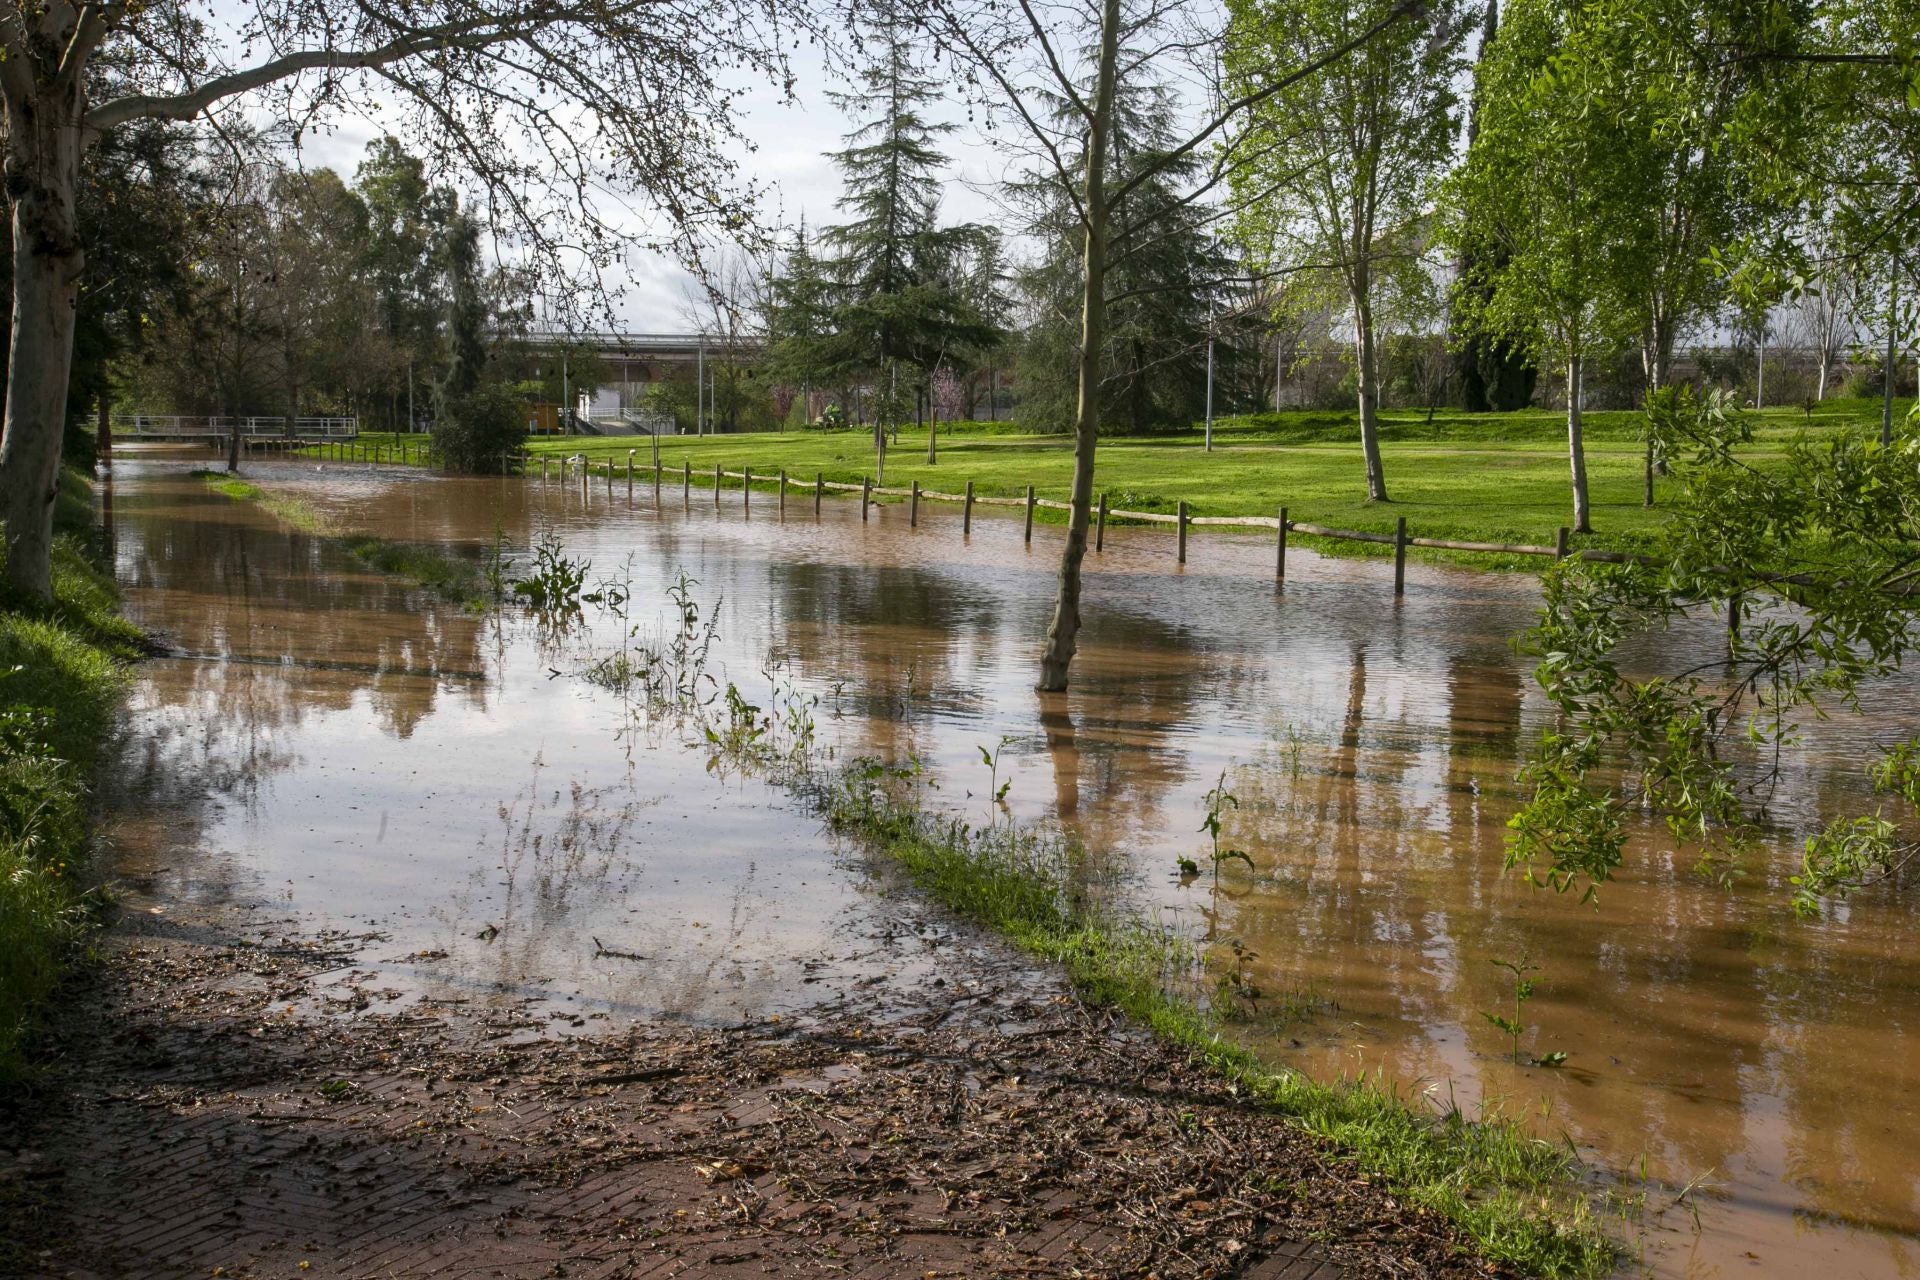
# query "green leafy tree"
(407, 220)
(477, 422)
(1347, 162)
(1554, 249)
(1809, 560)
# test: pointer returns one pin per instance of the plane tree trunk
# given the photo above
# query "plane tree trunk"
(43, 149)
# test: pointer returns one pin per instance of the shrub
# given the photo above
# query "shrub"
(477, 431)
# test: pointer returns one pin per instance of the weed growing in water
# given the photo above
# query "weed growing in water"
(494, 566)
(554, 579)
(1219, 800)
(996, 789)
(1523, 988)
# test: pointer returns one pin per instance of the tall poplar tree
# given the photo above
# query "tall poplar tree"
(1347, 160)
(1558, 252)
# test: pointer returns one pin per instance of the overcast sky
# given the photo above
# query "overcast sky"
(791, 141)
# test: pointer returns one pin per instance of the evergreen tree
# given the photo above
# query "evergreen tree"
(889, 291)
(1162, 282)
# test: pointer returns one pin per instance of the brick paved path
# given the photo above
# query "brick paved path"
(203, 1129)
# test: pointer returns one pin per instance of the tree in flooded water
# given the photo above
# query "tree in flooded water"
(1812, 563)
(1067, 110)
(544, 102)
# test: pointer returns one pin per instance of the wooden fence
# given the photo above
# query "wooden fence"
(1282, 525)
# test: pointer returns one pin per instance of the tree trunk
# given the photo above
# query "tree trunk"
(43, 172)
(1889, 368)
(1369, 379)
(1057, 657)
(1576, 451)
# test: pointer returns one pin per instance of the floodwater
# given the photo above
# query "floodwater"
(335, 746)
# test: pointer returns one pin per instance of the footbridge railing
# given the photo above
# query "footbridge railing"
(162, 426)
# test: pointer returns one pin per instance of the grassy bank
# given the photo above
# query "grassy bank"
(61, 677)
(450, 577)
(1485, 477)
(1518, 1198)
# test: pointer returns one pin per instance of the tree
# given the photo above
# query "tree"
(1164, 272)
(1553, 250)
(888, 294)
(1810, 560)
(311, 255)
(407, 221)
(544, 100)
(1012, 56)
(1348, 160)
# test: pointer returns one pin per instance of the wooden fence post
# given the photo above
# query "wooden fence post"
(630, 454)
(1100, 527)
(543, 466)
(656, 481)
(866, 495)
(686, 483)
(913, 507)
(746, 489)
(609, 475)
(1280, 547)
(1400, 556)
(1180, 519)
(1560, 543)
(716, 484)
(966, 512)
(1029, 515)
(783, 492)
(819, 488)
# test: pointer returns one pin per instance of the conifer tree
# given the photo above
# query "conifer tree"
(1163, 280)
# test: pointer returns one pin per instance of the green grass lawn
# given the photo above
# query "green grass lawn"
(1485, 477)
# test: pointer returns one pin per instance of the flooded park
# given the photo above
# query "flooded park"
(325, 751)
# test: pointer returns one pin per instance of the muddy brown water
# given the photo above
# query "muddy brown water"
(344, 750)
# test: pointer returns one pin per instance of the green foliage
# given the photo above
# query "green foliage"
(480, 431)
(1162, 282)
(1814, 560)
(1218, 801)
(1511, 1026)
(554, 580)
(61, 680)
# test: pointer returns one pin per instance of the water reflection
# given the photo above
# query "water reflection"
(1371, 745)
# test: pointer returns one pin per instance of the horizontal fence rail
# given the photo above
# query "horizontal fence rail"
(185, 426)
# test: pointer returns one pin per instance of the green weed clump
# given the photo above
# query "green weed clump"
(61, 678)
(1515, 1196)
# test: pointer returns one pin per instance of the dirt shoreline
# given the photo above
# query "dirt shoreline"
(217, 1114)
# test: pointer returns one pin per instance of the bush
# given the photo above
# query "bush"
(475, 433)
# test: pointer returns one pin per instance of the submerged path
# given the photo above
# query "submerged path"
(237, 1103)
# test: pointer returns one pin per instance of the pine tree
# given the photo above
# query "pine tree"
(890, 289)
(1162, 283)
